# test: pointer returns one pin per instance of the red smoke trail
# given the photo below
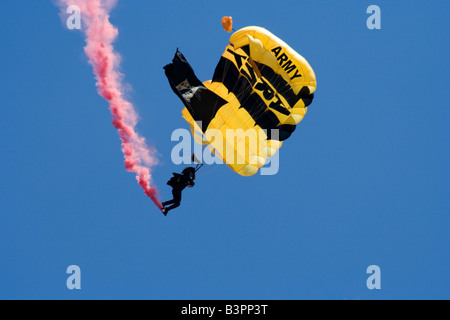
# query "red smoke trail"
(100, 35)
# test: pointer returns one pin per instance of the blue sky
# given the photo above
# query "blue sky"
(363, 181)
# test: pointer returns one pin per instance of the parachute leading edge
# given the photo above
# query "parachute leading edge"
(261, 87)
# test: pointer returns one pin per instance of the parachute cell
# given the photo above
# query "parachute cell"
(259, 92)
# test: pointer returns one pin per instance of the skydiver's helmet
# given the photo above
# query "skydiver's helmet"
(189, 172)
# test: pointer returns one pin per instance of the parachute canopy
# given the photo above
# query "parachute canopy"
(227, 24)
(259, 92)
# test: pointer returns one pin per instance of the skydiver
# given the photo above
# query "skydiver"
(178, 183)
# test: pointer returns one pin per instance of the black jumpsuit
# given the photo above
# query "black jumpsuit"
(182, 181)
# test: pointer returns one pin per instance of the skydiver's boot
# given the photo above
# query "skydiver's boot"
(164, 211)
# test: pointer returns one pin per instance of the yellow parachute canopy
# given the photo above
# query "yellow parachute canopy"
(259, 93)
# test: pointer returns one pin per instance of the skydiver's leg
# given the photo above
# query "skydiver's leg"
(176, 192)
(168, 202)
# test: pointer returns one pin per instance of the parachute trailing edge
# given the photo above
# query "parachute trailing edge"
(260, 87)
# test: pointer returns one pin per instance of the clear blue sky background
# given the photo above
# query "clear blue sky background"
(363, 181)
